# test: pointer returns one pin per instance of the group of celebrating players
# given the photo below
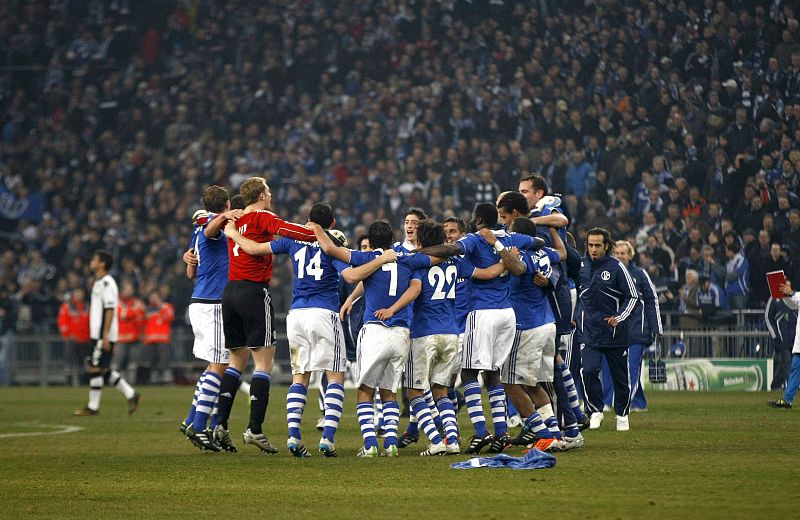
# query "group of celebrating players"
(496, 307)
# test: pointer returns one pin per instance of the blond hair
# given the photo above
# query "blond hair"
(627, 245)
(251, 189)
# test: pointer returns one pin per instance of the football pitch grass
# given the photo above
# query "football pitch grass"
(693, 455)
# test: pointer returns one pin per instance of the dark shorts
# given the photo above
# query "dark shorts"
(99, 358)
(247, 316)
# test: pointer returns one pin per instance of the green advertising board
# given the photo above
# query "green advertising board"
(748, 375)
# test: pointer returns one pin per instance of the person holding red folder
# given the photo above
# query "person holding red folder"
(792, 299)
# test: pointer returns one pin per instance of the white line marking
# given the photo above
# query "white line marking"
(59, 429)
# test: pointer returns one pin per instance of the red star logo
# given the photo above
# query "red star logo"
(691, 385)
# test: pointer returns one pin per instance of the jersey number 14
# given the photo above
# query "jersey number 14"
(313, 268)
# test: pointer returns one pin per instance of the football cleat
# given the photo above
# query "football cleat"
(365, 453)
(328, 448)
(584, 424)
(183, 428)
(259, 440)
(573, 443)
(622, 424)
(133, 402)
(777, 403)
(297, 448)
(596, 420)
(85, 412)
(201, 440)
(499, 444)
(476, 444)
(434, 450)
(222, 437)
(453, 448)
(390, 451)
(550, 444)
(407, 439)
(514, 421)
(525, 437)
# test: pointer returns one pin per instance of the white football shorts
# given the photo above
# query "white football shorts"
(381, 355)
(431, 361)
(209, 336)
(488, 338)
(525, 362)
(316, 340)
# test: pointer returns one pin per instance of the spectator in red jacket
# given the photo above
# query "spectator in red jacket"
(131, 322)
(158, 338)
(73, 324)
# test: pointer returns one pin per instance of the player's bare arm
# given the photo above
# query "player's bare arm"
(489, 273)
(327, 245)
(441, 251)
(510, 260)
(347, 306)
(558, 244)
(190, 259)
(217, 223)
(553, 220)
(411, 294)
(251, 247)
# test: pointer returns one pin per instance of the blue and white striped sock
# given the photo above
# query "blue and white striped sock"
(423, 413)
(497, 400)
(378, 412)
(472, 395)
(535, 423)
(192, 409)
(448, 413)
(550, 420)
(295, 404)
(452, 394)
(366, 415)
(413, 424)
(334, 404)
(391, 421)
(214, 415)
(209, 395)
(572, 392)
(437, 420)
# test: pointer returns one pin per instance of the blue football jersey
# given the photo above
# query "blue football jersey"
(402, 247)
(529, 301)
(491, 294)
(212, 269)
(434, 308)
(316, 275)
(463, 291)
(385, 286)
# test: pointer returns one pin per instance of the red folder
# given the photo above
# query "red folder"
(775, 279)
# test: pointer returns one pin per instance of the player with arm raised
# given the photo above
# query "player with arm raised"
(384, 341)
(247, 312)
(316, 341)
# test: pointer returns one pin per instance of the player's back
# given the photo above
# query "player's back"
(434, 308)
(316, 277)
(529, 301)
(212, 266)
(385, 286)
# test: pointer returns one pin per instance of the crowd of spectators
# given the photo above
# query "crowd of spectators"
(673, 123)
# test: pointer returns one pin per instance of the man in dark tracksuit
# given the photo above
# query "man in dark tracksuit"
(607, 299)
(644, 326)
(781, 322)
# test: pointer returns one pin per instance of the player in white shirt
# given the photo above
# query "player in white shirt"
(103, 328)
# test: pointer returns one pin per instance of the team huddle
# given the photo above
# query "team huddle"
(510, 307)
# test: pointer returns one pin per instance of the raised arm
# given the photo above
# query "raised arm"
(558, 244)
(362, 272)
(328, 247)
(489, 273)
(510, 258)
(278, 226)
(442, 251)
(214, 225)
(553, 220)
(251, 247)
(411, 294)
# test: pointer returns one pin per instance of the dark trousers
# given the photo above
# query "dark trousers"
(782, 361)
(617, 359)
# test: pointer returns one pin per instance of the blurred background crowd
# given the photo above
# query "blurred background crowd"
(675, 124)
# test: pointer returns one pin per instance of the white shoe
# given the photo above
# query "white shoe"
(259, 440)
(596, 420)
(434, 449)
(514, 421)
(606, 408)
(622, 424)
(573, 443)
(365, 453)
(453, 448)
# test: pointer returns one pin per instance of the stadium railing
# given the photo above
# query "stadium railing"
(40, 359)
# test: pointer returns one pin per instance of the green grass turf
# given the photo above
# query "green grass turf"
(693, 455)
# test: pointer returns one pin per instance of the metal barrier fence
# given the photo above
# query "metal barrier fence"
(42, 359)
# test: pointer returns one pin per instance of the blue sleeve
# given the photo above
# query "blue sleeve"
(465, 268)
(467, 243)
(358, 258)
(281, 246)
(627, 287)
(522, 241)
(193, 240)
(339, 265)
(652, 312)
(416, 261)
(418, 274)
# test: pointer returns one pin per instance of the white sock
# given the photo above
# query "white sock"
(95, 392)
(119, 382)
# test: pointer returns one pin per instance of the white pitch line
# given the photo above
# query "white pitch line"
(62, 428)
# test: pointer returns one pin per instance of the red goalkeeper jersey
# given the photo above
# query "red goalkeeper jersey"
(260, 226)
